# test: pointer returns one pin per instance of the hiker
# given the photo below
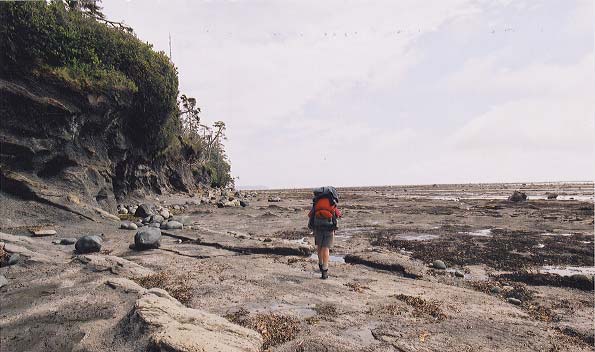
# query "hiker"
(323, 222)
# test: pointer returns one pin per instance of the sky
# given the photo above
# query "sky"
(362, 93)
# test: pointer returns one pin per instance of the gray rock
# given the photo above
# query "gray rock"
(177, 207)
(157, 218)
(439, 264)
(147, 220)
(88, 244)
(517, 196)
(3, 281)
(244, 203)
(144, 210)
(147, 237)
(551, 195)
(459, 273)
(14, 258)
(495, 290)
(274, 199)
(43, 232)
(67, 241)
(123, 211)
(128, 225)
(173, 225)
(165, 213)
(155, 225)
(516, 302)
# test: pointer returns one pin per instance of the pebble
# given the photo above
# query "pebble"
(88, 244)
(516, 302)
(14, 259)
(128, 225)
(459, 273)
(439, 264)
(495, 289)
(3, 281)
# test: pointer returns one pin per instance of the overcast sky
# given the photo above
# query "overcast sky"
(386, 92)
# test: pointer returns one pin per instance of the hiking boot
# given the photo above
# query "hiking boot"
(320, 267)
(324, 274)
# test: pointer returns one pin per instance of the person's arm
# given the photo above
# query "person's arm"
(338, 213)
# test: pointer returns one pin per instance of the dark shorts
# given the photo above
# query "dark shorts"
(324, 238)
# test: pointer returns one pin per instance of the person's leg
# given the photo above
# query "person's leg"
(325, 254)
(320, 256)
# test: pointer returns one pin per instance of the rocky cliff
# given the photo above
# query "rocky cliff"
(87, 112)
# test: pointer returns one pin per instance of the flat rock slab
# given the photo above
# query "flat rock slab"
(113, 264)
(174, 327)
(196, 250)
(388, 261)
(43, 232)
(240, 243)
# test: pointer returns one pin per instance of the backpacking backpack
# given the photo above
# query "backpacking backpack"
(324, 204)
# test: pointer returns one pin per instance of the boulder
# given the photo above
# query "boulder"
(147, 237)
(88, 244)
(274, 199)
(517, 196)
(144, 210)
(165, 213)
(3, 281)
(232, 203)
(551, 195)
(173, 225)
(122, 211)
(155, 224)
(128, 225)
(438, 264)
(173, 327)
(157, 218)
(244, 203)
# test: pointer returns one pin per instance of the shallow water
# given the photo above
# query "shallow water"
(332, 258)
(568, 270)
(414, 236)
(479, 233)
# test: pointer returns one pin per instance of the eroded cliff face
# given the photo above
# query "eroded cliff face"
(58, 144)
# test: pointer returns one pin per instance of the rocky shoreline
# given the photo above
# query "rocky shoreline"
(187, 272)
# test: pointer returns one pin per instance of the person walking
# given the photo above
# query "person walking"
(323, 222)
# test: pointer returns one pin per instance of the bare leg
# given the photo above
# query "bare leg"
(325, 254)
(319, 252)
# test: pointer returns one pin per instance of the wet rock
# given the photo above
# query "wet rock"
(459, 273)
(551, 195)
(67, 241)
(173, 225)
(438, 264)
(173, 327)
(244, 203)
(147, 237)
(14, 258)
(43, 232)
(144, 210)
(88, 244)
(517, 196)
(3, 281)
(274, 199)
(516, 302)
(495, 290)
(128, 225)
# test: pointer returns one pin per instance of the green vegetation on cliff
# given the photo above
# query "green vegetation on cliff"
(64, 43)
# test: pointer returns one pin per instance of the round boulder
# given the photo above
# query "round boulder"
(173, 225)
(128, 225)
(88, 244)
(439, 264)
(518, 196)
(144, 210)
(147, 237)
